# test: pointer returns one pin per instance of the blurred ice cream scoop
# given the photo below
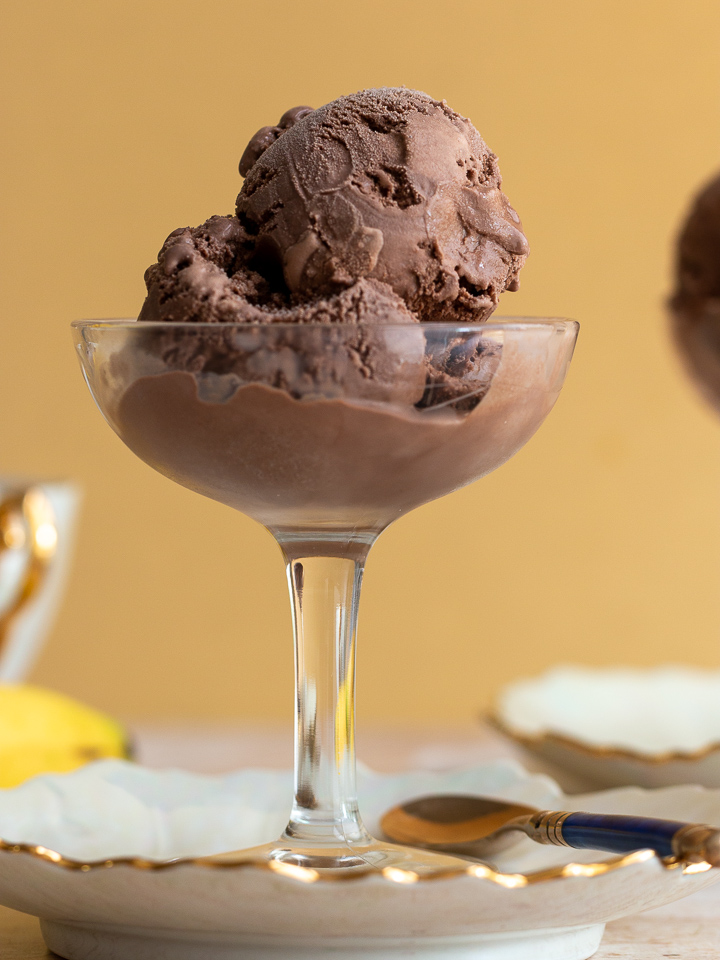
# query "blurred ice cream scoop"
(695, 303)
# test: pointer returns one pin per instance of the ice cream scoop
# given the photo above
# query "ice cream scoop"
(382, 358)
(698, 251)
(474, 826)
(379, 209)
(388, 184)
(695, 303)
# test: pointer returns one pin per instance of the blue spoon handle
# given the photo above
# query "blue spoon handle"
(694, 842)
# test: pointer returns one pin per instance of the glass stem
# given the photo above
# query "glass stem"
(324, 591)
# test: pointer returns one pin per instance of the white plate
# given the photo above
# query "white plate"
(609, 727)
(66, 837)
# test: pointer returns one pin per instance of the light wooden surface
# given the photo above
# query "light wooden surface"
(684, 930)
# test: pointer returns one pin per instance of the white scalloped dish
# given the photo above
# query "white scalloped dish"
(87, 853)
(610, 727)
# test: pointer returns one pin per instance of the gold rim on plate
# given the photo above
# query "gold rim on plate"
(479, 871)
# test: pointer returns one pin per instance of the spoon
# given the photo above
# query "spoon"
(472, 826)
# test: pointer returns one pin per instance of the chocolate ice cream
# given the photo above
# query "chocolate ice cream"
(286, 372)
(335, 465)
(383, 207)
(695, 304)
(384, 184)
(387, 184)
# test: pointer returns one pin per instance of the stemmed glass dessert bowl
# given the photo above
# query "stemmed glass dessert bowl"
(325, 434)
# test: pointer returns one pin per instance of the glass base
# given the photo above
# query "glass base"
(295, 858)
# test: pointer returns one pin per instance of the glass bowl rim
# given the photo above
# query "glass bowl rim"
(497, 324)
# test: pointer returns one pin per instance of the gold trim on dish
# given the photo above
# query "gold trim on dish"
(533, 741)
(27, 520)
(394, 874)
(547, 827)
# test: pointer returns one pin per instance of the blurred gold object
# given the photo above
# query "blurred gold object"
(697, 843)
(27, 521)
(41, 731)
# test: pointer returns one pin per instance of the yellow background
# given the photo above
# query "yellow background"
(599, 543)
